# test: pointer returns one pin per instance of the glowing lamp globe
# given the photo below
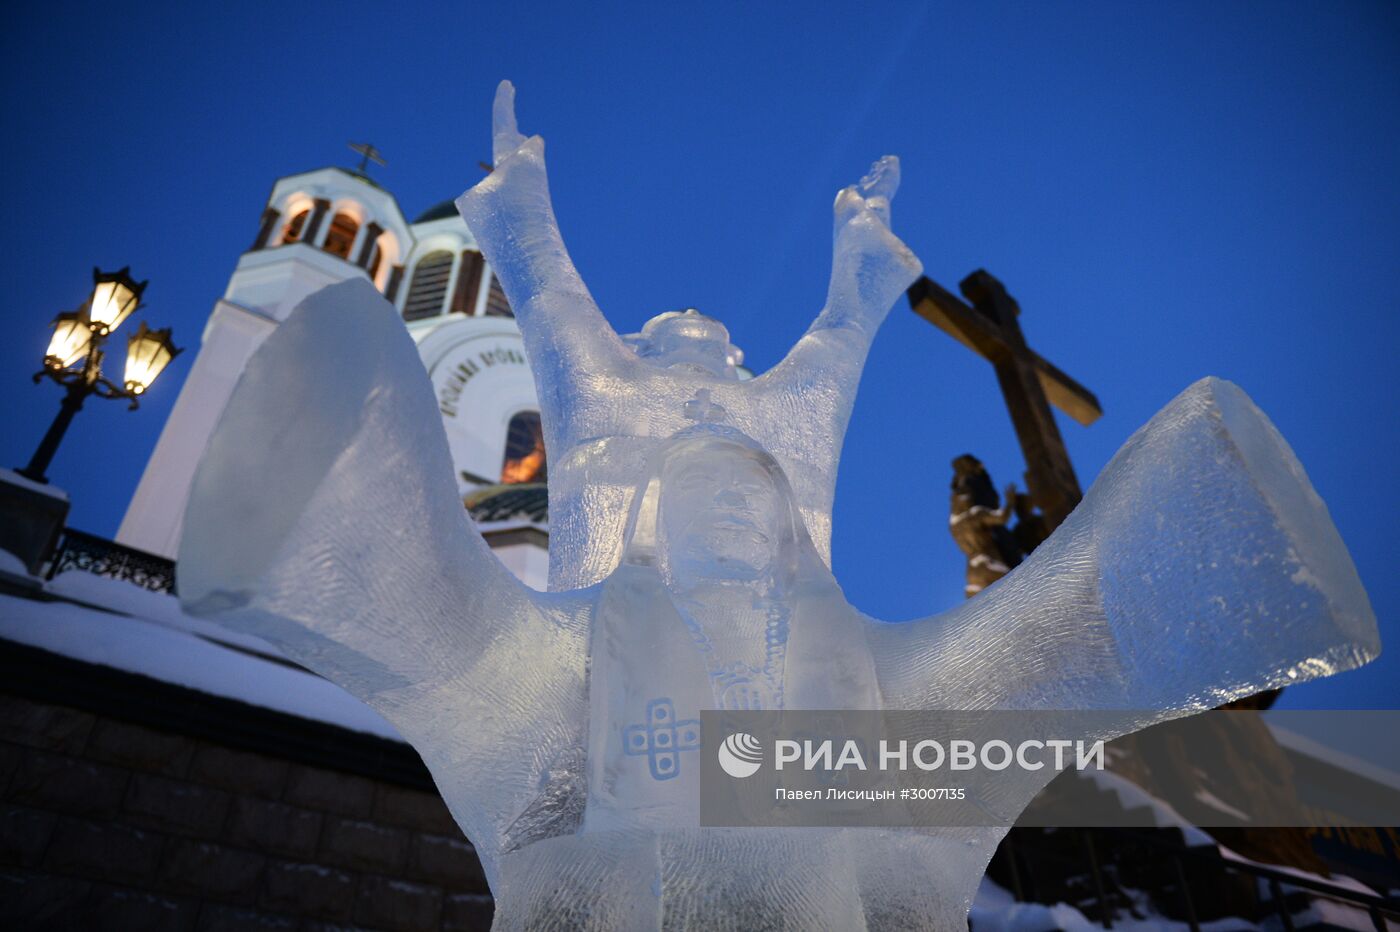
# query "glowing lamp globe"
(148, 352)
(71, 340)
(114, 296)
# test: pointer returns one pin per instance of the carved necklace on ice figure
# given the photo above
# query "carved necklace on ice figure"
(737, 684)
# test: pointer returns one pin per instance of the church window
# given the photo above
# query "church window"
(292, 231)
(496, 303)
(525, 458)
(429, 285)
(341, 236)
(469, 271)
(375, 257)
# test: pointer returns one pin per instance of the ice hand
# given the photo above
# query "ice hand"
(505, 136)
(863, 236)
(873, 193)
(880, 184)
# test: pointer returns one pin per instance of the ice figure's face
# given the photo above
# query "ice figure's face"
(720, 518)
(687, 340)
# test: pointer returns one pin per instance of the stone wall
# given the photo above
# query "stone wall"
(107, 824)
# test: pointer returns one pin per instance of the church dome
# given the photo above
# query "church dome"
(437, 212)
(522, 502)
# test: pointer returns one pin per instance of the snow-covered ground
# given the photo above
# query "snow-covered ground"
(123, 626)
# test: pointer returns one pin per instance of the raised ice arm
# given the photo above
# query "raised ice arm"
(870, 269)
(511, 216)
(325, 519)
(1201, 567)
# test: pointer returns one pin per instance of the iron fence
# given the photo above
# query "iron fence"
(79, 550)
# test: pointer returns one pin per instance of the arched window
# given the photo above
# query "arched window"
(496, 303)
(429, 285)
(292, 231)
(341, 236)
(525, 458)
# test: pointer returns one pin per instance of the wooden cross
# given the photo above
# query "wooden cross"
(368, 153)
(986, 323)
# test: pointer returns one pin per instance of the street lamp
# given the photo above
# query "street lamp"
(74, 357)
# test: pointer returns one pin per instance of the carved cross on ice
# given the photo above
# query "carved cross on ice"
(661, 738)
(325, 518)
(702, 410)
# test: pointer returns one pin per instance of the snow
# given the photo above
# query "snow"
(1206, 798)
(170, 648)
(14, 478)
(9, 563)
(996, 910)
(1130, 795)
(155, 607)
(1336, 915)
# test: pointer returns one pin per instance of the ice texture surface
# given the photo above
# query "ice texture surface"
(691, 517)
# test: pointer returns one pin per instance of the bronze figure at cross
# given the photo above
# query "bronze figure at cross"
(986, 323)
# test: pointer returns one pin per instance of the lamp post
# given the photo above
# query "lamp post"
(75, 354)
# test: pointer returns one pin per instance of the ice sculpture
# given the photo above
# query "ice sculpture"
(691, 526)
(605, 408)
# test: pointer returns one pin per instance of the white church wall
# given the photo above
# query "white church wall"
(273, 281)
(528, 561)
(481, 380)
(152, 520)
(477, 364)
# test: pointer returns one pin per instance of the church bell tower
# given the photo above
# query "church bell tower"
(327, 226)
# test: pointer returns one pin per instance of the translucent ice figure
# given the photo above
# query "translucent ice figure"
(562, 727)
(605, 407)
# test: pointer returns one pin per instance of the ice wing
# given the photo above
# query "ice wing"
(324, 518)
(1201, 567)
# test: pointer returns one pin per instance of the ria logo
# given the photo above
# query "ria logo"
(740, 755)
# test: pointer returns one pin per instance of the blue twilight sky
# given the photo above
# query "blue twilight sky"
(1169, 191)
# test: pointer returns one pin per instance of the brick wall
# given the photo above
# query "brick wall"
(106, 824)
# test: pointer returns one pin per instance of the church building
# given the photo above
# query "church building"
(327, 226)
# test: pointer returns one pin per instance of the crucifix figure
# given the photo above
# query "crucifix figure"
(988, 325)
(979, 525)
(562, 726)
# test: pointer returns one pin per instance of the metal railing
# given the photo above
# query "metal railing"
(78, 550)
(1280, 883)
(1377, 907)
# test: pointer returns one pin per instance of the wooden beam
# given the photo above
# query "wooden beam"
(1065, 393)
(958, 319)
(972, 329)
